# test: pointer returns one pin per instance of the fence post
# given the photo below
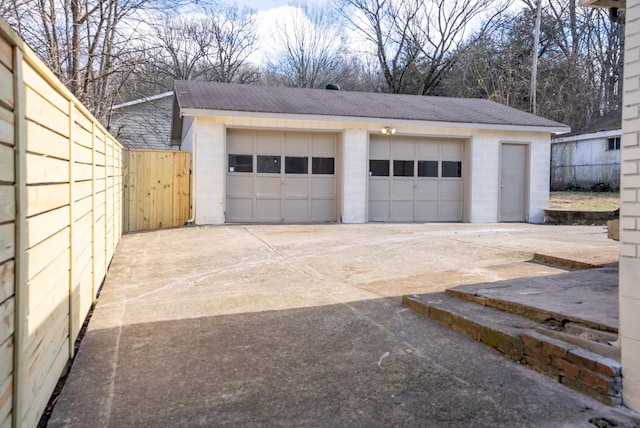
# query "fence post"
(71, 216)
(21, 236)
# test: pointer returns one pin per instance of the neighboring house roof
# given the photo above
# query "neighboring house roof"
(197, 97)
(144, 123)
(605, 126)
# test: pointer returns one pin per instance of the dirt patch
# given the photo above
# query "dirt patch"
(587, 201)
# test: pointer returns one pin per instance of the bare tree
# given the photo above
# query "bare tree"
(309, 49)
(579, 63)
(414, 40)
(234, 32)
(87, 43)
(213, 44)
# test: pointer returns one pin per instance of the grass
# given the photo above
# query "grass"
(586, 201)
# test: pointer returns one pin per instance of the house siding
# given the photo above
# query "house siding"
(144, 125)
(630, 213)
(584, 163)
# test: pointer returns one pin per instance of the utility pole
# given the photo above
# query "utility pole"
(534, 61)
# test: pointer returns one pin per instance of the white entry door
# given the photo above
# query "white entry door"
(513, 182)
(275, 177)
(415, 179)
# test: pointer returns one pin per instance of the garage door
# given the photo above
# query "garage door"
(278, 177)
(415, 179)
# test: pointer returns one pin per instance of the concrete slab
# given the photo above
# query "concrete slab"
(588, 297)
(303, 326)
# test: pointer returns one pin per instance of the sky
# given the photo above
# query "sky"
(268, 4)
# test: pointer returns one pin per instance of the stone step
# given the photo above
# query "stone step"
(520, 339)
(540, 315)
(587, 298)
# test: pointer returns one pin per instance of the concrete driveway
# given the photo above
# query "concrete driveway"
(301, 325)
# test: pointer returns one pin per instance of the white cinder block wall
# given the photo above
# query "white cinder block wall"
(630, 213)
(209, 157)
(539, 150)
(485, 178)
(355, 148)
(210, 179)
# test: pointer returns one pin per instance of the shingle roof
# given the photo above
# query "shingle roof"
(611, 121)
(291, 101)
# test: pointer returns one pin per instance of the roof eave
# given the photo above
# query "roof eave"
(553, 129)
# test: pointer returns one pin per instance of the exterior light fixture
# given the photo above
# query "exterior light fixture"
(387, 130)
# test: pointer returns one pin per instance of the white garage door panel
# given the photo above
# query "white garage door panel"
(267, 209)
(427, 210)
(268, 186)
(402, 211)
(402, 189)
(451, 190)
(238, 207)
(268, 143)
(450, 210)
(380, 188)
(379, 210)
(323, 187)
(296, 210)
(428, 190)
(281, 176)
(422, 183)
(296, 187)
(240, 186)
(323, 210)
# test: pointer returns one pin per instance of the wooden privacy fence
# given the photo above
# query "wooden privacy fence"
(157, 189)
(60, 222)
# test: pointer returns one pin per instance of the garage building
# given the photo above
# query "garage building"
(277, 154)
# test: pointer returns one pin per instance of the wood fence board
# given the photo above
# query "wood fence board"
(41, 285)
(44, 169)
(98, 271)
(82, 153)
(45, 141)
(81, 262)
(6, 54)
(37, 84)
(82, 119)
(40, 110)
(46, 252)
(98, 202)
(6, 358)
(83, 228)
(99, 185)
(82, 208)
(7, 164)
(100, 140)
(6, 402)
(82, 171)
(48, 325)
(82, 299)
(6, 319)
(99, 159)
(7, 203)
(82, 189)
(7, 278)
(7, 241)
(47, 376)
(42, 226)
(46, 198)
(6, 126)
(6, 86)
(181, 187)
